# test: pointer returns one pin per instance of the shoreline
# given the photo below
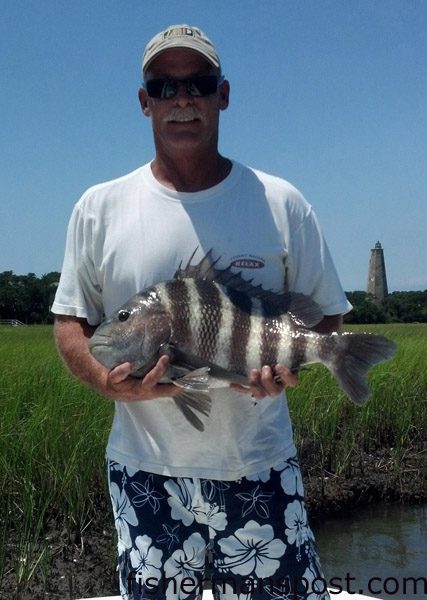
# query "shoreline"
(82, 564)
(379, 477)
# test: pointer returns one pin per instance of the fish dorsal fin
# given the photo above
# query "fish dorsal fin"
(303, 310)
(299, 307)
(205, 269)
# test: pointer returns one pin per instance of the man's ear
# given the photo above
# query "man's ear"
(143, 100)
(224, 95)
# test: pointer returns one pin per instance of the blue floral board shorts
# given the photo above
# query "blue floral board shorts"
(247, 539)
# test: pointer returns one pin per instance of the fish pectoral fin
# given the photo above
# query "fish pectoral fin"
(189, 401)
(196, 380)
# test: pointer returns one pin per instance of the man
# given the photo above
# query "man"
(235, 489)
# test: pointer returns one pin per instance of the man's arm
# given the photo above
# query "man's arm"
(71, 337)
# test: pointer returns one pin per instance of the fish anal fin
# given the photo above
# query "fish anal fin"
(189, 403)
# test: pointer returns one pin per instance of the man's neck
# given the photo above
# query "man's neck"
(190, 174)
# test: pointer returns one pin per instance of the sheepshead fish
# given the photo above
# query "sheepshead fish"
(216, 327)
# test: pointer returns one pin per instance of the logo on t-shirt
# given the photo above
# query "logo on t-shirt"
(247, 261)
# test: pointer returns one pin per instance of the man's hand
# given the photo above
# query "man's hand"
(271, 382)
(72, 335)
(267, 382)
(121, 386)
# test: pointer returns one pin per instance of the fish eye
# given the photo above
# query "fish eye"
(123, 315)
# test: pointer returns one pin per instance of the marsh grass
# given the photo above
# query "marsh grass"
(53, 433)
(395, 416)
(52, 442)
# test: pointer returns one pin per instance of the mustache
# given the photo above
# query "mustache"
(183, 114)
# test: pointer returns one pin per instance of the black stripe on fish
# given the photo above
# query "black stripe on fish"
(210, 319)
(270, 341)
(298, 350)
(240, 330)
(179, 306)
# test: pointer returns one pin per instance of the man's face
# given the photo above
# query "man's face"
(184, 122)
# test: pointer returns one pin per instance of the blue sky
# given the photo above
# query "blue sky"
(328, 94)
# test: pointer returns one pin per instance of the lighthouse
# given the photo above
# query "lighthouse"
(377, 280)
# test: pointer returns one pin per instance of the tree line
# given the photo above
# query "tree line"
(397, 307)
(28, 298)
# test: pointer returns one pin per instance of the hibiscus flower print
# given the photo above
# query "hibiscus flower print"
(169, 537)
(297, 530)
(145, 493)
(124, 515)
(183, 501)
(187, 504)
(291, 478)
(123, 583)
(252, 549)
(212, 488)
(186, 563)
(261, 476)
(255, 501)
(315, 584)
(146, 559)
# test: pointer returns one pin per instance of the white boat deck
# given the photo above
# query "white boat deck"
(207, 595)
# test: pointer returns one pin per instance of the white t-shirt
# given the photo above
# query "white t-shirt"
(131, 233)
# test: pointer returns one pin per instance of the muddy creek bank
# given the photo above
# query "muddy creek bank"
(76, 564)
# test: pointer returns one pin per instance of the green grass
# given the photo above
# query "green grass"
(53, 431)
(395, 416)
(53, 434)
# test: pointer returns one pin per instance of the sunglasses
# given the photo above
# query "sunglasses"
(204, 85)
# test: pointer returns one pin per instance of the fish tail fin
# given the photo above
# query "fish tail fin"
(355, 355)
(190, 401)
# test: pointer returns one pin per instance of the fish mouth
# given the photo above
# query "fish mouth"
(99, 341)
(100, 347)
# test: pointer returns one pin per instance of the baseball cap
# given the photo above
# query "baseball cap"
(180, 36)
